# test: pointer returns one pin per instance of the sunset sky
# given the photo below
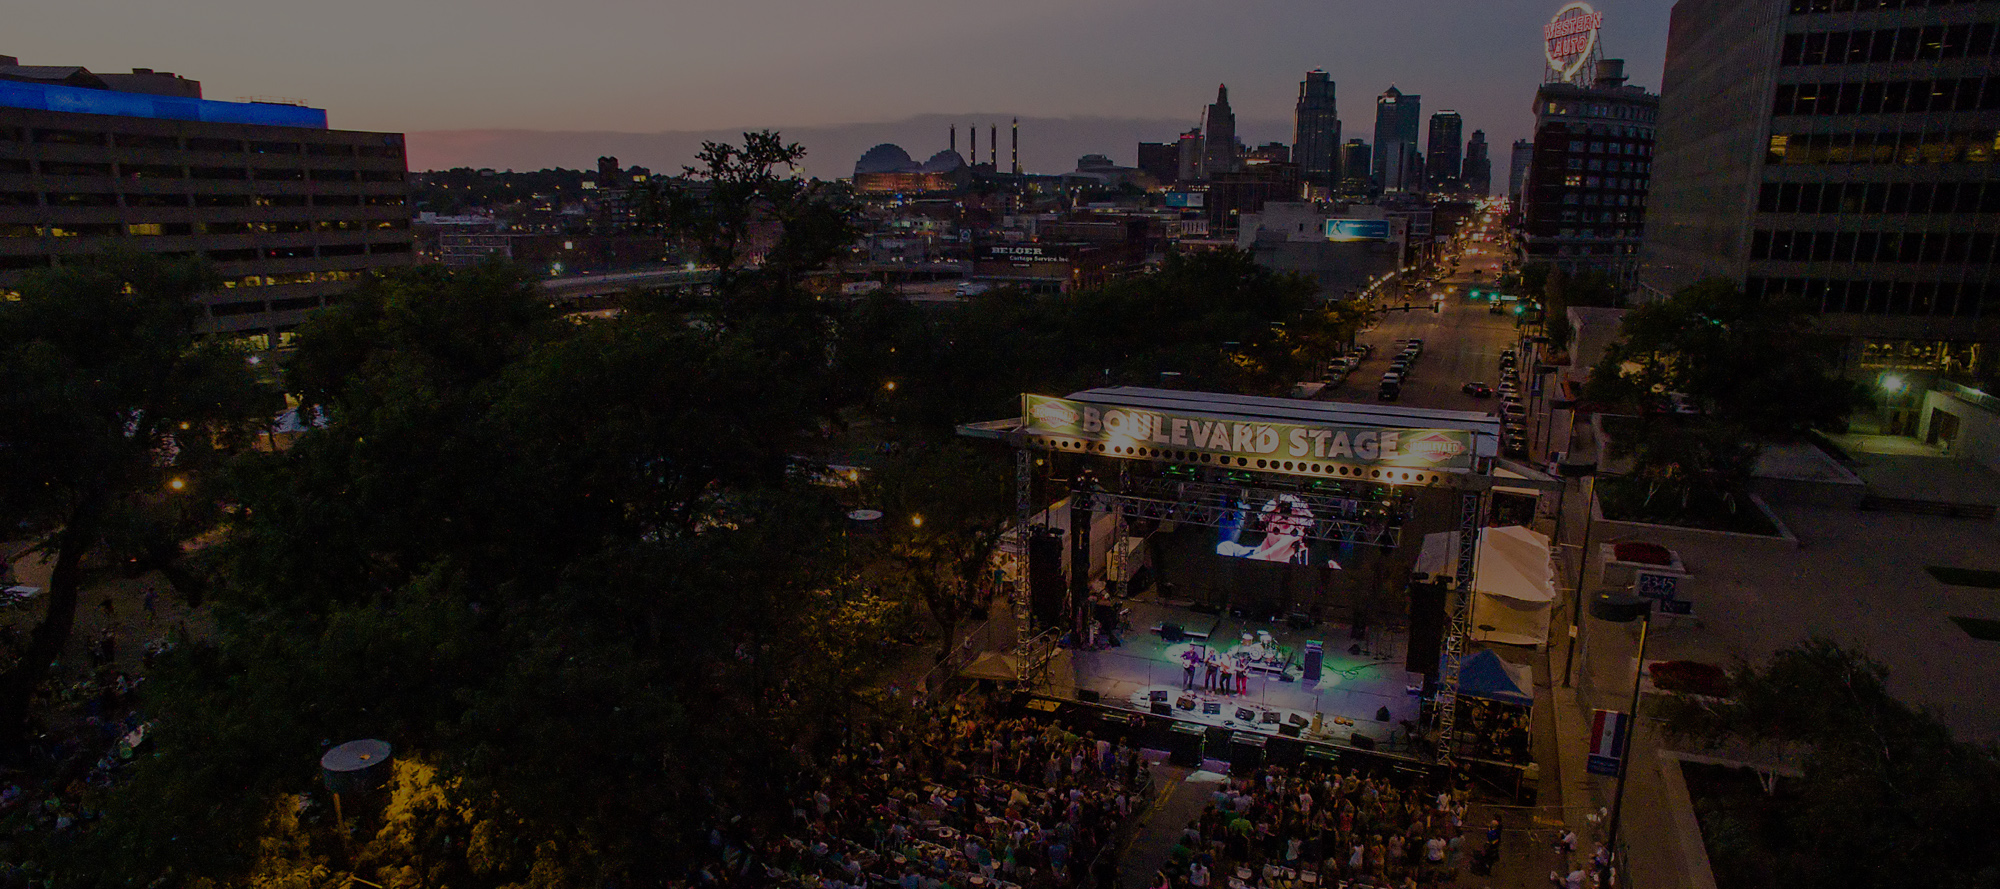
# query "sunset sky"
(649, 66)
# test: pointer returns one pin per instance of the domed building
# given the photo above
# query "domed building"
(888, 169)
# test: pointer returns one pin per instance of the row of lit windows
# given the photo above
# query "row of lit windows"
(1888, 96)
(55, 136)
(1879, 197)
(1972, 248)
(1890, 45)
(1617, 111)
(1803, 7)
(20, 262)
(1934, 298)
(112, 199)
(1639, 148)
(1601, 216)
(24, 167)
(1592, 199)
(292, 278)
(1907, 148)
(283, 227)
(1578, 180)
(1597, 165)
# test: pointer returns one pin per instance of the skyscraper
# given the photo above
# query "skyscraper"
(1160, 160)
(1218, 154)
(1316, 136)
(1517, 172)
(1842, 154)
(1445, 156)
(1354, 178)
(1189, 145)
(1397, 118)
(1477, 178)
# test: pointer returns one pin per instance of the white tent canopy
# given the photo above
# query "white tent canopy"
(1513, 582)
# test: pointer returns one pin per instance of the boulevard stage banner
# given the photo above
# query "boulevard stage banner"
(1438, 449)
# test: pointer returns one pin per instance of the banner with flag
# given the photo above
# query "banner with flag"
(1607, 741)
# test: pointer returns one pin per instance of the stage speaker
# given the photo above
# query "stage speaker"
(1088, 696)
(1289, 730)
(1158, 695)
(1162, 708)
(1426, 628)
(1361, 741)
(1045, 578)
(1186, 745)
(1246, 753)
(1313, 661)
(1172, 632)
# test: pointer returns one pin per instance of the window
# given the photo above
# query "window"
(85, 229)
(243, 255)
(395, 247)
(65, 168)
(386, 200)
(156, 200)
(205, 144)
(279, 200)
(319, 149)
(222, 200)
(152, 171)
(382, 176)
(343, 249)
(229, 173)
(18, 199)
(82, 199)
(337, 200)
(69, 137)
(274, 148)
(335, 175)
(141, 140)
(279, 174)
(159, 228)
(20, 230)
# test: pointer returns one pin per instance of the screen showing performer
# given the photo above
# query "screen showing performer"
(1274, 533)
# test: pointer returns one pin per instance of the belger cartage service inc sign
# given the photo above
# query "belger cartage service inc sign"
(1445, 449)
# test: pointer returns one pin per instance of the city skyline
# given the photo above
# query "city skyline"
(596, 67)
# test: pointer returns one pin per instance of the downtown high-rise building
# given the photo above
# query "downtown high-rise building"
(1843, 154)
(1517, 170)
(1444, 157)
(1160, 160)
(1188, 149)
(1355, 180)
(1397, 118)
(1218, 154)
(1316, 133)
(289, 213)
(1584, 204)
(1477, 174)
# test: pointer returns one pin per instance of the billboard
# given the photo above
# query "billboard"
(1570, 39)
(1342, 230)
(1249, 443)
(1190, 200)
(1020, 253)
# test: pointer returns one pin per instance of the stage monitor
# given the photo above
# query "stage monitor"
(1274, 532)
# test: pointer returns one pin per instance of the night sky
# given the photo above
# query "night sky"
(649, 66)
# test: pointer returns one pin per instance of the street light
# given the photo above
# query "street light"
(1623, 609)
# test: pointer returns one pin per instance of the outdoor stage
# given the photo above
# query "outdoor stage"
(1351, 687)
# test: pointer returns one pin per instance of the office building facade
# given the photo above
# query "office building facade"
(1397, 118)
(1444, 159)
(1477, 175)
(1584, 203)
(1842, 153)
(1316, 131)
(1160, 160)
(289, 212)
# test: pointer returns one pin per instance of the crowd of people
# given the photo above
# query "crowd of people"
(1318, 825)
(967, 798)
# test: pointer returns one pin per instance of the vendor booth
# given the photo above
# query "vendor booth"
(1514, 585)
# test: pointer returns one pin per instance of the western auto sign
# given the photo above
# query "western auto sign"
(1256, 443)
(1570, 38)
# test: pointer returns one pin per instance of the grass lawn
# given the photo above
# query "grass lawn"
(1624, 500)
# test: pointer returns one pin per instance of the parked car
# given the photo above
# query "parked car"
(1389, 391)
(1477, 390)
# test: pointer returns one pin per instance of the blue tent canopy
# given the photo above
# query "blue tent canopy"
(1484, 675)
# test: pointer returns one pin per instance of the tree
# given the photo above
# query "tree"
(1887, 797)
(1749, 370)
(108, 402)
(945, 506)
